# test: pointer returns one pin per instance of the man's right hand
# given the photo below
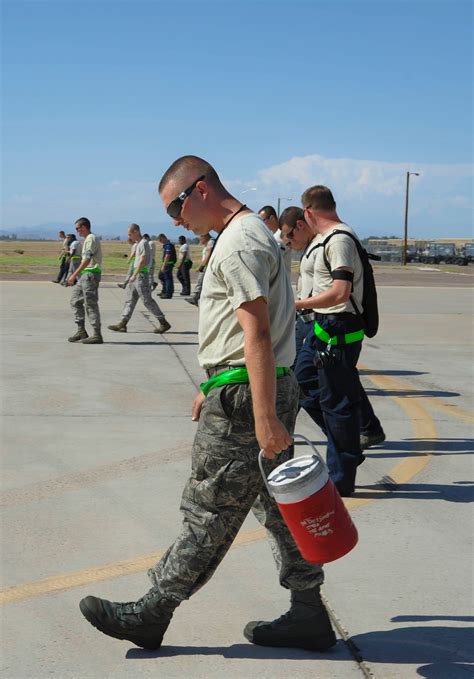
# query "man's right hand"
(197, 405)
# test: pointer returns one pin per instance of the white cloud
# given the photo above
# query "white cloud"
(370, 195)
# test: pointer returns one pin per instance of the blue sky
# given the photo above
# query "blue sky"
(100, 97)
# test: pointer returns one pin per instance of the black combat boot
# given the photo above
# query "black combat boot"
(306, 625)
(142, 622)
(80, 334)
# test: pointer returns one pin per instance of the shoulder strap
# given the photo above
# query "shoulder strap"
(359, 252)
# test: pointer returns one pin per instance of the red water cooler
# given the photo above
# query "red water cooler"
(311, 507)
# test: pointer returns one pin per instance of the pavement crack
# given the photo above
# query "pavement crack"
(353, 649)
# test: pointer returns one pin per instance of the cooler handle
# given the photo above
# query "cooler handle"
(295, 436)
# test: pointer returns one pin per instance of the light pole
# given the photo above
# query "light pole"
(405, 238)
(278, 208)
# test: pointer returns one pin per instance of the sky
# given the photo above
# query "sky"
(99, 98)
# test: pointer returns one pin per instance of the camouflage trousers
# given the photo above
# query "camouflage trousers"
(225, 484)
(86, 294)
(140, 289)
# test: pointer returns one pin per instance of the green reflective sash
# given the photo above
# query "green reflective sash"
(238, 375)
(95, 269)
(349, 337)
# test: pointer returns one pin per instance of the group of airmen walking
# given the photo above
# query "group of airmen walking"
(258, 377)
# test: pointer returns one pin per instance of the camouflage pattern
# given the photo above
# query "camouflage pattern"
(86, 294)
(140, 289)
(224, 485)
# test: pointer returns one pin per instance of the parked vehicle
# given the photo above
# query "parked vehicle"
(468, 252)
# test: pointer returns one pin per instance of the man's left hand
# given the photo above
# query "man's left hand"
(272, 437)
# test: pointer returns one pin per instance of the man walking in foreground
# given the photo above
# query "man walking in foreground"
(249, 402)
(86, 293)
(139, 285)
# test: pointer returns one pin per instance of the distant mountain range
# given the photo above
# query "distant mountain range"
(108, 231)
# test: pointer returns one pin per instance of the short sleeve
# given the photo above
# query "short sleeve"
(341, 251)
(247, 276)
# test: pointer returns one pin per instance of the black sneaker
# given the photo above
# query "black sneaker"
(373, 439)
(191, 300)
(137, 621)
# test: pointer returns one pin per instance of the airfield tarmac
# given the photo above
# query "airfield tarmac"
(96, 450)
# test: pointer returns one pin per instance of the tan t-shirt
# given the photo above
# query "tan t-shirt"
(340, 251)
(246, 263)
(91, 249)
(305, 281)
(143, 248)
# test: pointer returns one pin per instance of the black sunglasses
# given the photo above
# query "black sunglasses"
(290, 232)
(175, 207)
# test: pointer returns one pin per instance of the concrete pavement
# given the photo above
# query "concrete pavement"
(96, 443)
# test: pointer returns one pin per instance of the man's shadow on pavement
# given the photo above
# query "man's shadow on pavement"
(444, 652)
(459, 491)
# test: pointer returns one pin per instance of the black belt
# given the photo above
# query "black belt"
(343, 316)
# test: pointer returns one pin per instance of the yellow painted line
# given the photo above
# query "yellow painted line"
(86, 577)
(423, 428)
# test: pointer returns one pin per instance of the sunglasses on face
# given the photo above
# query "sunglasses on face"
(289, 234)
(176, 205)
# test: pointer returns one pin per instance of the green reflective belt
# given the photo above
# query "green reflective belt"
(237, 375)
(76, 257)
(349, 337)
(95, 269)
(144, 270)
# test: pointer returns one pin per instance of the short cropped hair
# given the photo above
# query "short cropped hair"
(163, 235)
(290, 216)
(319, 198)
(133, 227)
(83, 221)
(182, 239)
(186, 165)
(268, 211)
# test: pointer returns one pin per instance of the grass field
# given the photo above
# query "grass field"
(42, 257)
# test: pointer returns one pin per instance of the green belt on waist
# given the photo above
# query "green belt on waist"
(237, 375)
(95, 269)
(347, 338)
(76, 257)
(144, 270)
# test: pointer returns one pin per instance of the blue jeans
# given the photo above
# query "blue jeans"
(333, 396)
